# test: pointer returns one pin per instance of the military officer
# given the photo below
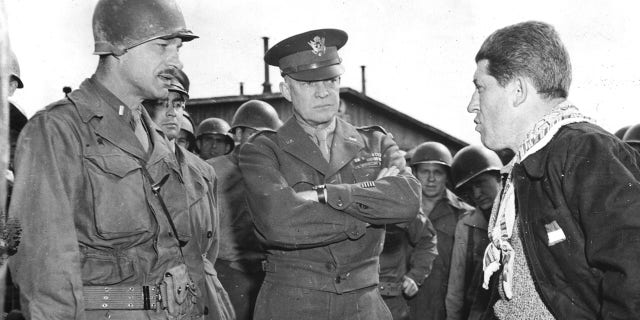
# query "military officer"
(100, 194)
(239, 262)
(320, 191)
(431, 163)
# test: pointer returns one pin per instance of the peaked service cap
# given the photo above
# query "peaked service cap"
(309, 56)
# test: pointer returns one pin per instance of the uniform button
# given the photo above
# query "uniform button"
(331, 266)
(209, 234)
(206, 310)
(355, 233)
(170, 234)
(339, 203)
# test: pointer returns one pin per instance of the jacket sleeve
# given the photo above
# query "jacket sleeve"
(47, 264)
(393, 199)
(602, 185)
(282, 218)
(423, 237)
(286, 220)
(454, 300)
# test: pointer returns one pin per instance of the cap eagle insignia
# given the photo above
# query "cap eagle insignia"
(317, 46)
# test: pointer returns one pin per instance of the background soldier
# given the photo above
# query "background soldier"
(213, 138)
(186, 137)
(475, 172)
(101, 168)
(406, 260)
(632, 136)
(201, 183)
(239, 261)
(320, 191)
(431, 164)
(17, 121)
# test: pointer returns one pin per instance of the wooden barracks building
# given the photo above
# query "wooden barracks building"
(355, 107)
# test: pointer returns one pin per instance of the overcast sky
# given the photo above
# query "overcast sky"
(419, 54)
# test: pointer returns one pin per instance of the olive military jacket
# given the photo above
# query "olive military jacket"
(332, 247)
(464, 289)
(89, 215)
(238, 241)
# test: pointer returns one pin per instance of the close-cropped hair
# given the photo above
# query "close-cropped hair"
(531, 49)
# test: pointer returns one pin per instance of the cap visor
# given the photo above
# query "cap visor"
(319, 74)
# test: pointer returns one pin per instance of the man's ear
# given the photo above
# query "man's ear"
(227, 148)
(284, 89)
(519, 90)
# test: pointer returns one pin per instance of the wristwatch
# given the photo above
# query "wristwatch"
(321, 190)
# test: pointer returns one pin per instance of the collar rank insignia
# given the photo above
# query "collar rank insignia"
(317, 46)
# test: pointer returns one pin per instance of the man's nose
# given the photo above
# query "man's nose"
(476, 191)
(321, 89)
(474, 104)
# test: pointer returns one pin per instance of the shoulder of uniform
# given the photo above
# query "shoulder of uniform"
(268, 133)
(57, 104)
(372, 128)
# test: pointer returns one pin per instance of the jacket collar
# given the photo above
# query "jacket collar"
(91, 103)
(346, 144)
(447, 204)
(476, 220)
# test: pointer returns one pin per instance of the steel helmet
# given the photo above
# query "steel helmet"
(472, 161)
(186, 123)
(620, 133)
(119, 25)
(180, 83)
(14, 68)
(215, 126)
(632, 136)
(257, 115)
(431, 152)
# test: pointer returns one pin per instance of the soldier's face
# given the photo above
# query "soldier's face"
(144, 68)
(316, 102)
(433, 178)
(212, 145)
(482, 190)
(493, 106)
(184, 139)
(167, 114)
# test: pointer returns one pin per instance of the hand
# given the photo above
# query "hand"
(388, 172)
(409, 287)
(311, 195)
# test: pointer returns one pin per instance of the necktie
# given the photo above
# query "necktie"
(321, 135)
(141, 134)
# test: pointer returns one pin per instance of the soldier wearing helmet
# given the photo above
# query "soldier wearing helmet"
(251, 117)
(239, 261)
(632, 136)
(213, 138)
(320, 191)
(111, 215)
(186, 137)
(475, 172)
(17, 121)
(431, 164)
(201, 183)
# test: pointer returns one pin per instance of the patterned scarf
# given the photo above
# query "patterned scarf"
(503, 214)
